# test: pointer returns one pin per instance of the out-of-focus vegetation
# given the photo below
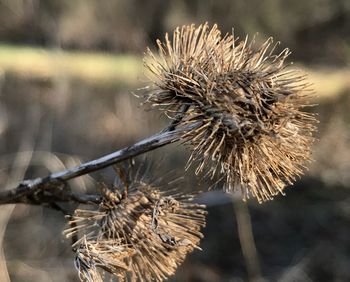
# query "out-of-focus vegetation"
(67, 70)
(316, 30)
(99, 68)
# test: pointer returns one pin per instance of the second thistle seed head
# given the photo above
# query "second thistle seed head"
(143, 234)
(253, 131)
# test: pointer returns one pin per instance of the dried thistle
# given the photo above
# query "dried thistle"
(109, 255)
(139, 233)
(253, 131)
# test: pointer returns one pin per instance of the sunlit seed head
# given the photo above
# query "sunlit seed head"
(109, 255)
(253, 132)
(142, 234)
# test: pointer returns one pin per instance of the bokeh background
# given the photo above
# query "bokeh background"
(68, 70)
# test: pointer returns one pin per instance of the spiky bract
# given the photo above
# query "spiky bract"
(254, 133)
(140, 234)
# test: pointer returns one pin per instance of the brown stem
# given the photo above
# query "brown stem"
(246, 238)
(27, 188)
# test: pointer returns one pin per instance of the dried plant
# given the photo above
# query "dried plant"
(241, 111)
(138, 233)
(109, 255)
(253, 131)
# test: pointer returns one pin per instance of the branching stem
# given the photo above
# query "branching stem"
(26, 189)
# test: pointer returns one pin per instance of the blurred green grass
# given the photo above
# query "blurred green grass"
(100, 68)
(96, 68)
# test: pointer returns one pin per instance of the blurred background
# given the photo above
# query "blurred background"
(67, 73)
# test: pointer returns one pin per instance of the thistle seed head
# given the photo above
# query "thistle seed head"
(109, 255)
(140, 234)
(253, 132)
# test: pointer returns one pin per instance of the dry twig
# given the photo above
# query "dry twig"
(42, 190)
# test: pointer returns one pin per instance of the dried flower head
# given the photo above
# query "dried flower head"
(138, 233)
(109, 255)
(253, 131)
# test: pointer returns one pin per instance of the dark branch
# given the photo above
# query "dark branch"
(48, 198)
(28, 188)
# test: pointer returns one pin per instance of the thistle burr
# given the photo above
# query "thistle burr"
(254, 133)
(137, 233)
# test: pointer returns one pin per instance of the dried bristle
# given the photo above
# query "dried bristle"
(109, 255)
(153, 230)
(254, 133)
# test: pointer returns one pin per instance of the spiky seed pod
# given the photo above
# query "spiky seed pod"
(253, 131)
(109, 255)
(156, 229)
